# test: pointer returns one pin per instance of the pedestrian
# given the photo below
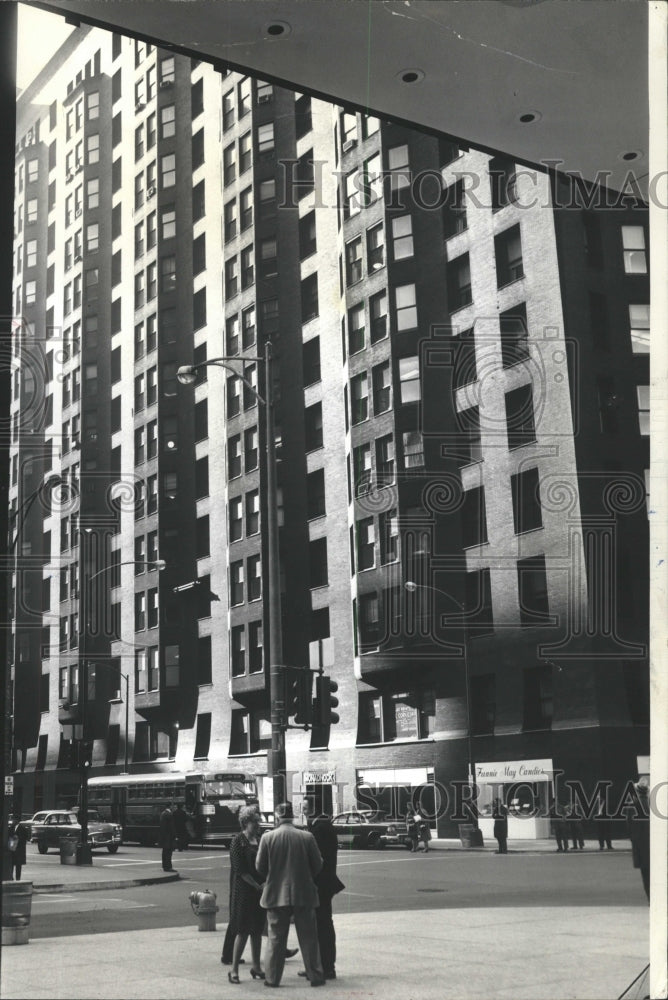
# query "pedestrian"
(289, 860)
(412, 829)
(328, 884)
(167, 836)
(638, 823)
(181, 828)
(424, 833)
(603, 825)
(17, 838)
(559, 827)
(574, 827)
(500, 815)
(246, 915)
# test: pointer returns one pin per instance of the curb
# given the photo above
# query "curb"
(45, 887)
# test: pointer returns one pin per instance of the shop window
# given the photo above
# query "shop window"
(520, 416)
(533, 599)
(525, 489)
(514, 334)
(508, 253)
(538, 699)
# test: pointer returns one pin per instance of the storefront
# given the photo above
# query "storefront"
(390, 790)
(526, 789)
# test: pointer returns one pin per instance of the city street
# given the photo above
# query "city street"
(375, 881)
(449, 924)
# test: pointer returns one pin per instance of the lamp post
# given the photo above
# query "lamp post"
(19, 518)
(187, 375)
(84, 854)
(411, 586)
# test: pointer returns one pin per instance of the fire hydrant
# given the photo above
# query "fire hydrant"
(204, 907)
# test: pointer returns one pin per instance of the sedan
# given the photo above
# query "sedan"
(368, 829)
(32, 825)
(61, 823)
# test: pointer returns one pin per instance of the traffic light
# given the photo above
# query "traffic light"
(325, 701)
(85, 753)
(300, 698)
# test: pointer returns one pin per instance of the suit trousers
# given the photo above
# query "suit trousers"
(278, 927)
(167, 859)
(326, 933)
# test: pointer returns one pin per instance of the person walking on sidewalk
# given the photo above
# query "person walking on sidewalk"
(412, 828)
(289, 861)
(167, 836)
(17, 838)
(603, 825)
(559, 826)
(500, 816)
(574, 827)
(181, 828)
(328, 884)
(246, 914)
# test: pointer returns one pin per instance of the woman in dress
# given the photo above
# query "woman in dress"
(246, 914)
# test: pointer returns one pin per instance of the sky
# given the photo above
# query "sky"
(39, 36)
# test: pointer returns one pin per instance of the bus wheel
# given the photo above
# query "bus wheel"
(112, 848)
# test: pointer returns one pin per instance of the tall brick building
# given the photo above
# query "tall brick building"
(461, 407)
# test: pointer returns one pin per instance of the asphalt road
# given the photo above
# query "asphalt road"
(375, 881)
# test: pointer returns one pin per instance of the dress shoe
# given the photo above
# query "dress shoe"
(291, 952)
(330, 975)
(274, 986)
(318, 982)
(303, 974)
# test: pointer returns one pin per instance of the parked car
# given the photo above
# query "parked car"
(60, 823)
(364, 828)
(31, 825)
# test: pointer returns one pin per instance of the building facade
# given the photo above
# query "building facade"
(460, 397)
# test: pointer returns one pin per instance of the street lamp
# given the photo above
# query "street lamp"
(411, 586)
(85, 854)
(187, 375)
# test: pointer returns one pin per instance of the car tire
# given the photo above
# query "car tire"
(112, 848)
(373, 840)
(42, 848)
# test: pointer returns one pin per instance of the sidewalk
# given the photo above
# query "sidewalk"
(509, 953)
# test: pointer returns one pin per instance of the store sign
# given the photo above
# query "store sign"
(319, 777)
(514, 770)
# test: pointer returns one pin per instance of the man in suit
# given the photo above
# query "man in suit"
(167, 836)
(328, 884)
(289, 861)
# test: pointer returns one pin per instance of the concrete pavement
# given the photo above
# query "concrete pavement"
(47, 874)
(550, 953)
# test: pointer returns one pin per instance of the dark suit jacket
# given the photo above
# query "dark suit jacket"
(167, 829)
(289, 860)
(325, 837)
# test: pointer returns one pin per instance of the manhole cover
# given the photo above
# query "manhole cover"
(431, 890)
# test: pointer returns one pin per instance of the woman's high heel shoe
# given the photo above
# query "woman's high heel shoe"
(233, 979)
(256, 975)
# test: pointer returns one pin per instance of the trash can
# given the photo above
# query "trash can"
(68, 850)
(470, 835)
